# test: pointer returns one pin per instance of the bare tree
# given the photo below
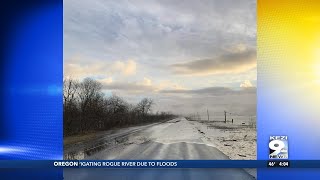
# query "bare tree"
(145, 105)
(87, 109)
(70, 87)
(89, 95)
(119, 109)
(89, 89)
(70, 108)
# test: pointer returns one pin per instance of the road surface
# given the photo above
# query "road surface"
(175, 139)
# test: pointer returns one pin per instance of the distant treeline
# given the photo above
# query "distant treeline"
(86, 108)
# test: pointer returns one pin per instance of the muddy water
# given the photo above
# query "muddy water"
(99, 146)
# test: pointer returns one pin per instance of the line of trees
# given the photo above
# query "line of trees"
(86, 108)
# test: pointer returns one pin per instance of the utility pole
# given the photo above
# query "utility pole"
(225, 117)
(208, 114)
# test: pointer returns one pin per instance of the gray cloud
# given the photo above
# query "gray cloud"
(191, 101)
(233, 62)
(129, 87)
(214, 91)
(241, 102)
(147, 27)
(104, 35)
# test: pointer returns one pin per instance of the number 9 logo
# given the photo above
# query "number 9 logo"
(277, 146)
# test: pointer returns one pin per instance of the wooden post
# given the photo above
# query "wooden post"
(225, 117)
(208, 114)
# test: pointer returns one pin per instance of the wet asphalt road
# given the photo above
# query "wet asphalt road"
(176, 139)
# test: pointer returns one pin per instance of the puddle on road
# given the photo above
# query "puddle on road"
(173, 121)
(85, 152)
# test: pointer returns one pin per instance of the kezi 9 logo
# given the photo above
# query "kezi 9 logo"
(278, 147)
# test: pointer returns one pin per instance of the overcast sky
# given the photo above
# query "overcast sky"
(187, 55)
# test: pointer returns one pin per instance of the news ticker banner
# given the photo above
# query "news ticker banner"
(159, 163)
